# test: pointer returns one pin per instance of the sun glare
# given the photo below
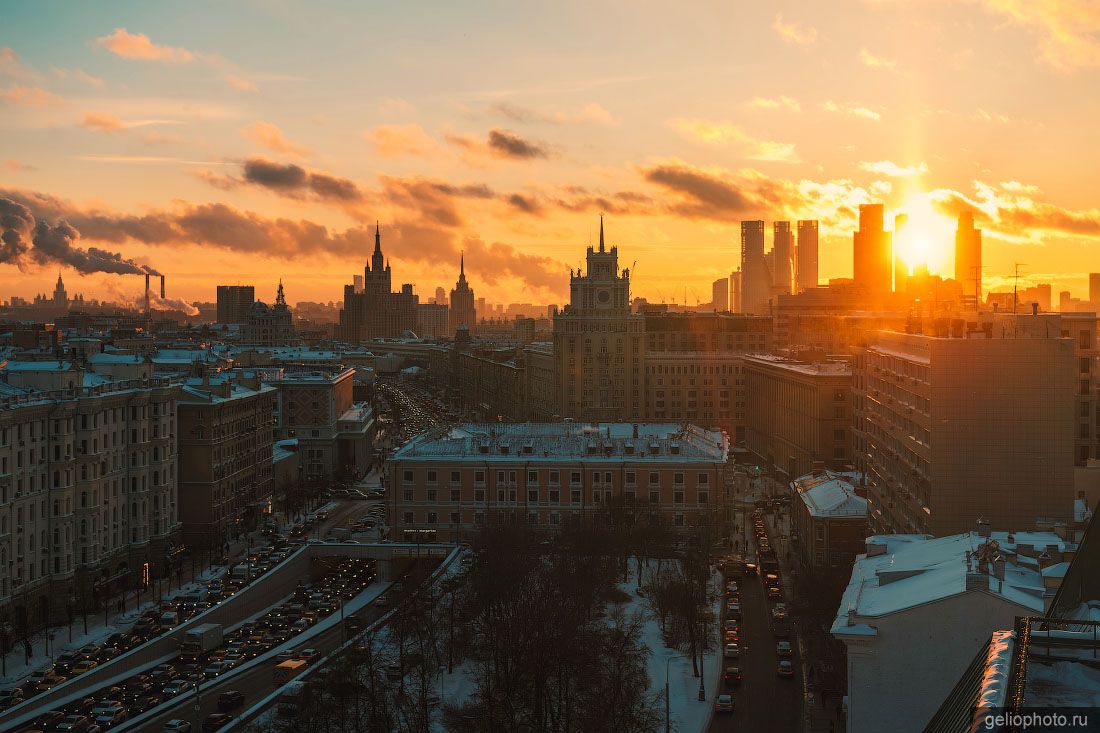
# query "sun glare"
(926, 238)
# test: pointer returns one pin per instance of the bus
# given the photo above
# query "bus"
(288, 670)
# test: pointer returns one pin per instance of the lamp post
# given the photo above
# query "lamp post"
(668, 698)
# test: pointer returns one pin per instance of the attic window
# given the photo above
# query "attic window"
(528, 448)
(674, 448)
(654, 448)
(629, 448)
(504, 449)
(483, 448)
(608, 447)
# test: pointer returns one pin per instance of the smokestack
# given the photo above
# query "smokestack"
(146, 292)
(162, 287)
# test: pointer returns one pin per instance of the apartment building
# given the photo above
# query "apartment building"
(88, 490)
(226, 431)
(798, 412)
(951, 429)
(829, 515)
(451, 482)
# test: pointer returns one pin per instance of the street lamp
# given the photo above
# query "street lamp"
(668, 699)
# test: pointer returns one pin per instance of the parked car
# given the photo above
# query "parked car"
(177, 726)
(731, 651)
(785, 668)
(723, 703)
(783, 648)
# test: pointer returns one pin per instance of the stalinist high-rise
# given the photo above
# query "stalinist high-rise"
(599, 344)
(463, 312)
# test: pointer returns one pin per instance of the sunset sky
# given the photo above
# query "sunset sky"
(247, 141)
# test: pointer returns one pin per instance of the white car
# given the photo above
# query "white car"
(731, 651)
(177, 726)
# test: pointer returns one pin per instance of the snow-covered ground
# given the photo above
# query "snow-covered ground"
(688, 713)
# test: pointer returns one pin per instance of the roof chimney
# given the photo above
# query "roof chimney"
(162, 287)
(983, 527)
(817, 468)
(1034, 309)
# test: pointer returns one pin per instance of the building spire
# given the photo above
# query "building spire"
(377, 238)
(462, 264)
(601, 232)
(280, 298)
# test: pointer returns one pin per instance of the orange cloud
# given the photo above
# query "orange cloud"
(852, 110)
(30, 97)
(242, 84)
(138, 46)
(874, 61)
(794, 33)
(392, 141)
(708, 131)
(272, 138)
(103, 122)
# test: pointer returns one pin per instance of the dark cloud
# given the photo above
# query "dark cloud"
(275, 175)
(24, 237)
(701, 195)
(580, 199)
(506, 144)
(290, 180)
(468, 190)
(526, 204)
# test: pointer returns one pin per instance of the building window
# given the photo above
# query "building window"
(704, 479)
(500, 477)
(479, 494)
(655, 497)
(408, 494)
(595, 477)
(432, 517)
(479, 518)
(654, 478)
(704, 497)
(455, 477)
(555, 496)
(554, 476)
(532, 497)
(408, 476)
(575, 496)
(679, 520)
(630, 478)
(479, 477)
(532, 477)
(407, 518)
(431, 494)
(456, 518)
(554, 519)
(575, 478)
(455, 498)
(678, 497)
(500, 495)
(431, 476)
(677, 478)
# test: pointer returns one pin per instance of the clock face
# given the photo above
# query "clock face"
(603, 296)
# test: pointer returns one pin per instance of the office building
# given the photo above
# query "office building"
(357, 283)
(235, 303)
(806, 267)
(968, 258)
(720, 294)
(226, 434)
(462, 302)
(599, 344)
(872, 252)
(756, 280)
(951, 428)
(549, 475)
(798, 413)
(377, 311)
(782, 263)
(441, 296)
(432, 320)
(735, 292)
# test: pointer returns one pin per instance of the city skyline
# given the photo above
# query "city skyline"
(168, 139)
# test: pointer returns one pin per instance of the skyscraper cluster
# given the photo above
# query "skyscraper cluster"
(790, 266)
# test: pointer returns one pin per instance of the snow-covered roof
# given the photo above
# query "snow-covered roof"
(904, 571)
(564, 441)
(1061, 684)
(831, 494)
(1081, 511)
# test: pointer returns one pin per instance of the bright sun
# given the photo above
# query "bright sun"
(928, 237)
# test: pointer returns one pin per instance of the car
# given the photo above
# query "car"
(723, 703)
(177, 726)
(731, 637)
(230, 699)
(775, 594)
(85, 665)
(783, 648)
(381, 601)
(732, 677)
(309, 655)
(177, 687)
(779, 614)
(112, 718)
(286, 654)
(48, 720)
(89, 651)
(217, 668)
(216, 721)
(12, 696)
(731, 651)
(785, 668)
(106, 706)
(49, 682)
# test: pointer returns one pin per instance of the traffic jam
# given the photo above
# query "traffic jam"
(207, 651)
